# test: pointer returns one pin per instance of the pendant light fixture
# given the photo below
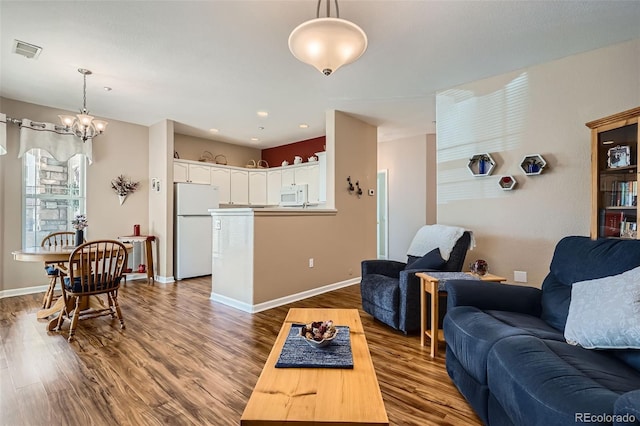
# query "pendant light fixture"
(83, 125)
(327, 43)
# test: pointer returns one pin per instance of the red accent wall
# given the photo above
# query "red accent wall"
(305, 149)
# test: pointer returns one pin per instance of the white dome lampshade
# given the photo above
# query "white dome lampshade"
(327, 43)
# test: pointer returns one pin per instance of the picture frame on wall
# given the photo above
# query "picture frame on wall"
(619, 156)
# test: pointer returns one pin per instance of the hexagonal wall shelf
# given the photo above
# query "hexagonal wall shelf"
(481, 164)
(532, 164)
(507, 182)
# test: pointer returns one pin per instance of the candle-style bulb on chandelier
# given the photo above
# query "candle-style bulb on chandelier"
(327, 43)
(83, 125)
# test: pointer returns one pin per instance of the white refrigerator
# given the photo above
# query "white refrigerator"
(193, 231)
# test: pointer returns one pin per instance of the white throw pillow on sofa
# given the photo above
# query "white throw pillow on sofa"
(605, 313)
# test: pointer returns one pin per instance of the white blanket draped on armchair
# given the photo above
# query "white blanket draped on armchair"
(443, 237)
(61, 144)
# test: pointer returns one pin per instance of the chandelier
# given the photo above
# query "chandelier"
(327, 43)
(83, 125)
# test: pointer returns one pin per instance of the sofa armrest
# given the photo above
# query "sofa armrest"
(627, 406)
(390, 268)
(494, 296)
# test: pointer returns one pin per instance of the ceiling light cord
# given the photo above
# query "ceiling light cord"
(328, 9)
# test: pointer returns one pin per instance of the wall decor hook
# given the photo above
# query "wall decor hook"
(350, 187)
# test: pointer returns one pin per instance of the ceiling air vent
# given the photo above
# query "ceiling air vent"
(27, 50)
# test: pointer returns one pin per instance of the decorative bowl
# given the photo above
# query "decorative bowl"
(324, 331)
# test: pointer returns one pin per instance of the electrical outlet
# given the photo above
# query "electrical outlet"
(311, 262)
(520, 276)
(218, 224)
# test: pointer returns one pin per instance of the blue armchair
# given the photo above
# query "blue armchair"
(391, 292)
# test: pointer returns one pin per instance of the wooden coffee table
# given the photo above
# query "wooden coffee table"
(429, 285)
(318, 396)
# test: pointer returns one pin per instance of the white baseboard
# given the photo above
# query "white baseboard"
(282, 300)
(22, 291)
(42, 288)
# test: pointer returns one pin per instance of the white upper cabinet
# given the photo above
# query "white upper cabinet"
(258, 188)
(274, 184)
(221, 177)
(187, 172)
(239, 187)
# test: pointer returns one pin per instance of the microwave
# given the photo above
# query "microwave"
(294, 195)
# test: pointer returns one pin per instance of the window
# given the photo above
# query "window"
(54, 192)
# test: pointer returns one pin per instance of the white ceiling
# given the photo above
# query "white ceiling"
(214, 64)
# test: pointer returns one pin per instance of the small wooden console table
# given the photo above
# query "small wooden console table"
(429, 285)
(147, 239)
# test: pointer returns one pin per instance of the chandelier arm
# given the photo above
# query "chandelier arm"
(318, 9)
(337, 9)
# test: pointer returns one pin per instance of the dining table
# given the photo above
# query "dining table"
(59, 255)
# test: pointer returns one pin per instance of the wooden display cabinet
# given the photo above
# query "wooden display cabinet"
(614, 175)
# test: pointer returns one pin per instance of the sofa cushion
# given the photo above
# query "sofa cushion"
(578, 259)
(547, 382)
(471, 333)
(431, 260)
(605, 313)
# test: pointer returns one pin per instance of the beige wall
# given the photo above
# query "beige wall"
(541, 109)
(121, 150)
(161, 145)
(284, 244)
(407, 163)
(192, 148)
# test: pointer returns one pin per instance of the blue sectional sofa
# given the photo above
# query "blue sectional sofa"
(506, 346)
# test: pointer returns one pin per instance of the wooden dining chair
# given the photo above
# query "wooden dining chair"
(94, 268)
(55, 270)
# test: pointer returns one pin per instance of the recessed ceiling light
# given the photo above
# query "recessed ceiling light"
(28, 50)
(213, 130)
(255, 139)
(263, 114)
(303, 126)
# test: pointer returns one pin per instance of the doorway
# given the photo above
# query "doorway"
(383, 214)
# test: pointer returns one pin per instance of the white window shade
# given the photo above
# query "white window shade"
(61, 144)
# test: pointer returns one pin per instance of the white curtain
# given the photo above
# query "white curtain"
(3, 134)
(61, 144)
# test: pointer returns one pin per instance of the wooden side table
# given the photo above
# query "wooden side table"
(147, 239)
(429, 285)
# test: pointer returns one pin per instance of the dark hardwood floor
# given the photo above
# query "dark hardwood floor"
(184, 360)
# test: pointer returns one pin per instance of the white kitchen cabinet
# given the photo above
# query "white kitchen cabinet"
(221, 177)
(200, 173)
(258, 188)
(239, 187)
(195, 173)
(322, 176)
(288, 176)
(309, 174)
(274, 184)
(180, 172)
(303, 174)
